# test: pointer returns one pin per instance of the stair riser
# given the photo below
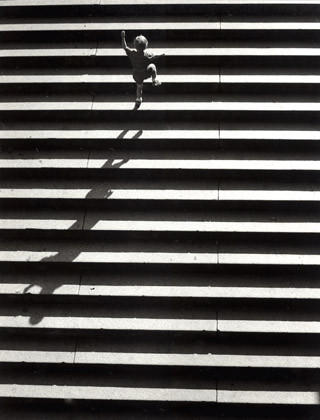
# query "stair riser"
(161, 204)
(159, 35)
(156, 10)
(96, 410)
(170, 61)
(52, 265)
(165, 88)
(120, 173)
(176, 373)
(37, 409)
(90, 143)
(67, 142)
(148, 235)
(161, 115)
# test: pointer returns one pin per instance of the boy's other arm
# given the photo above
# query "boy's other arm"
(156, 56)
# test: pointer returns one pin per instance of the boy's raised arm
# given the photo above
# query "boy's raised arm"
(124, 43)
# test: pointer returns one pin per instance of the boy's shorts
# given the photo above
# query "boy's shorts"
(140, 75)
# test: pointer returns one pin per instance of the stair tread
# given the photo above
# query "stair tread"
(165, 78)
(190, 134)
(119, 134)
(113, 191)
(62, 288)
(97, 222)
(200, 106)
(86, 356)
(170, 52)
(151, 23)
(45, 321)
(176, 24)
(158, 394)
(108, 393)
(168, 252)
(116, 194)
(159, 160)
(163, 258)
(98, 323)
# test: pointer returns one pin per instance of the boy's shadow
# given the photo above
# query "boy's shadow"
(134, 137)
(102, 190)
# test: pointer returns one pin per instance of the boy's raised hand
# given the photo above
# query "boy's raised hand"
(123, 34)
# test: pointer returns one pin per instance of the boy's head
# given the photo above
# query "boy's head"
(140, 43)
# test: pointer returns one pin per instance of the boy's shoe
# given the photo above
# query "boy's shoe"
(138, 103)
(156, 82)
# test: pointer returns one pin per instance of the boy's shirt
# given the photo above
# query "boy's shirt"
(139, 60)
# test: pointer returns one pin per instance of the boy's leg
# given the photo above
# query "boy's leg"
(139, 96)
(139, 92)
(153, 69)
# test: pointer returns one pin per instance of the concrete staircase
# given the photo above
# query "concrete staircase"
(160, 263)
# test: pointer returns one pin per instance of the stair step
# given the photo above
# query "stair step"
(158, 394)
(270, 326)
(160, 359)
(111, 193)
(128, 257)
(177, 24)
(196, 107)
(268, 259)
(268, 79)
(267, 397)
(83, 255)
(16, 356)
(101, 224)
(152, 161)
(131, 134)
(95, 289)
(267, 26)
(201, 292)
(268, 195)
(116, 324)
(292, 135)
(170, 52)
(147, 134)
(165, 78)
(45, 321)
(121, 194)
(60, 284)
(145, 284)
(109, 393)
(159, 25)
(120, 78)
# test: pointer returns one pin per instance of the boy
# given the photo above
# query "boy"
(141, 61)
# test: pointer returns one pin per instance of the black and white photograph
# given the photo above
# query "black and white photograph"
(159, 210)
